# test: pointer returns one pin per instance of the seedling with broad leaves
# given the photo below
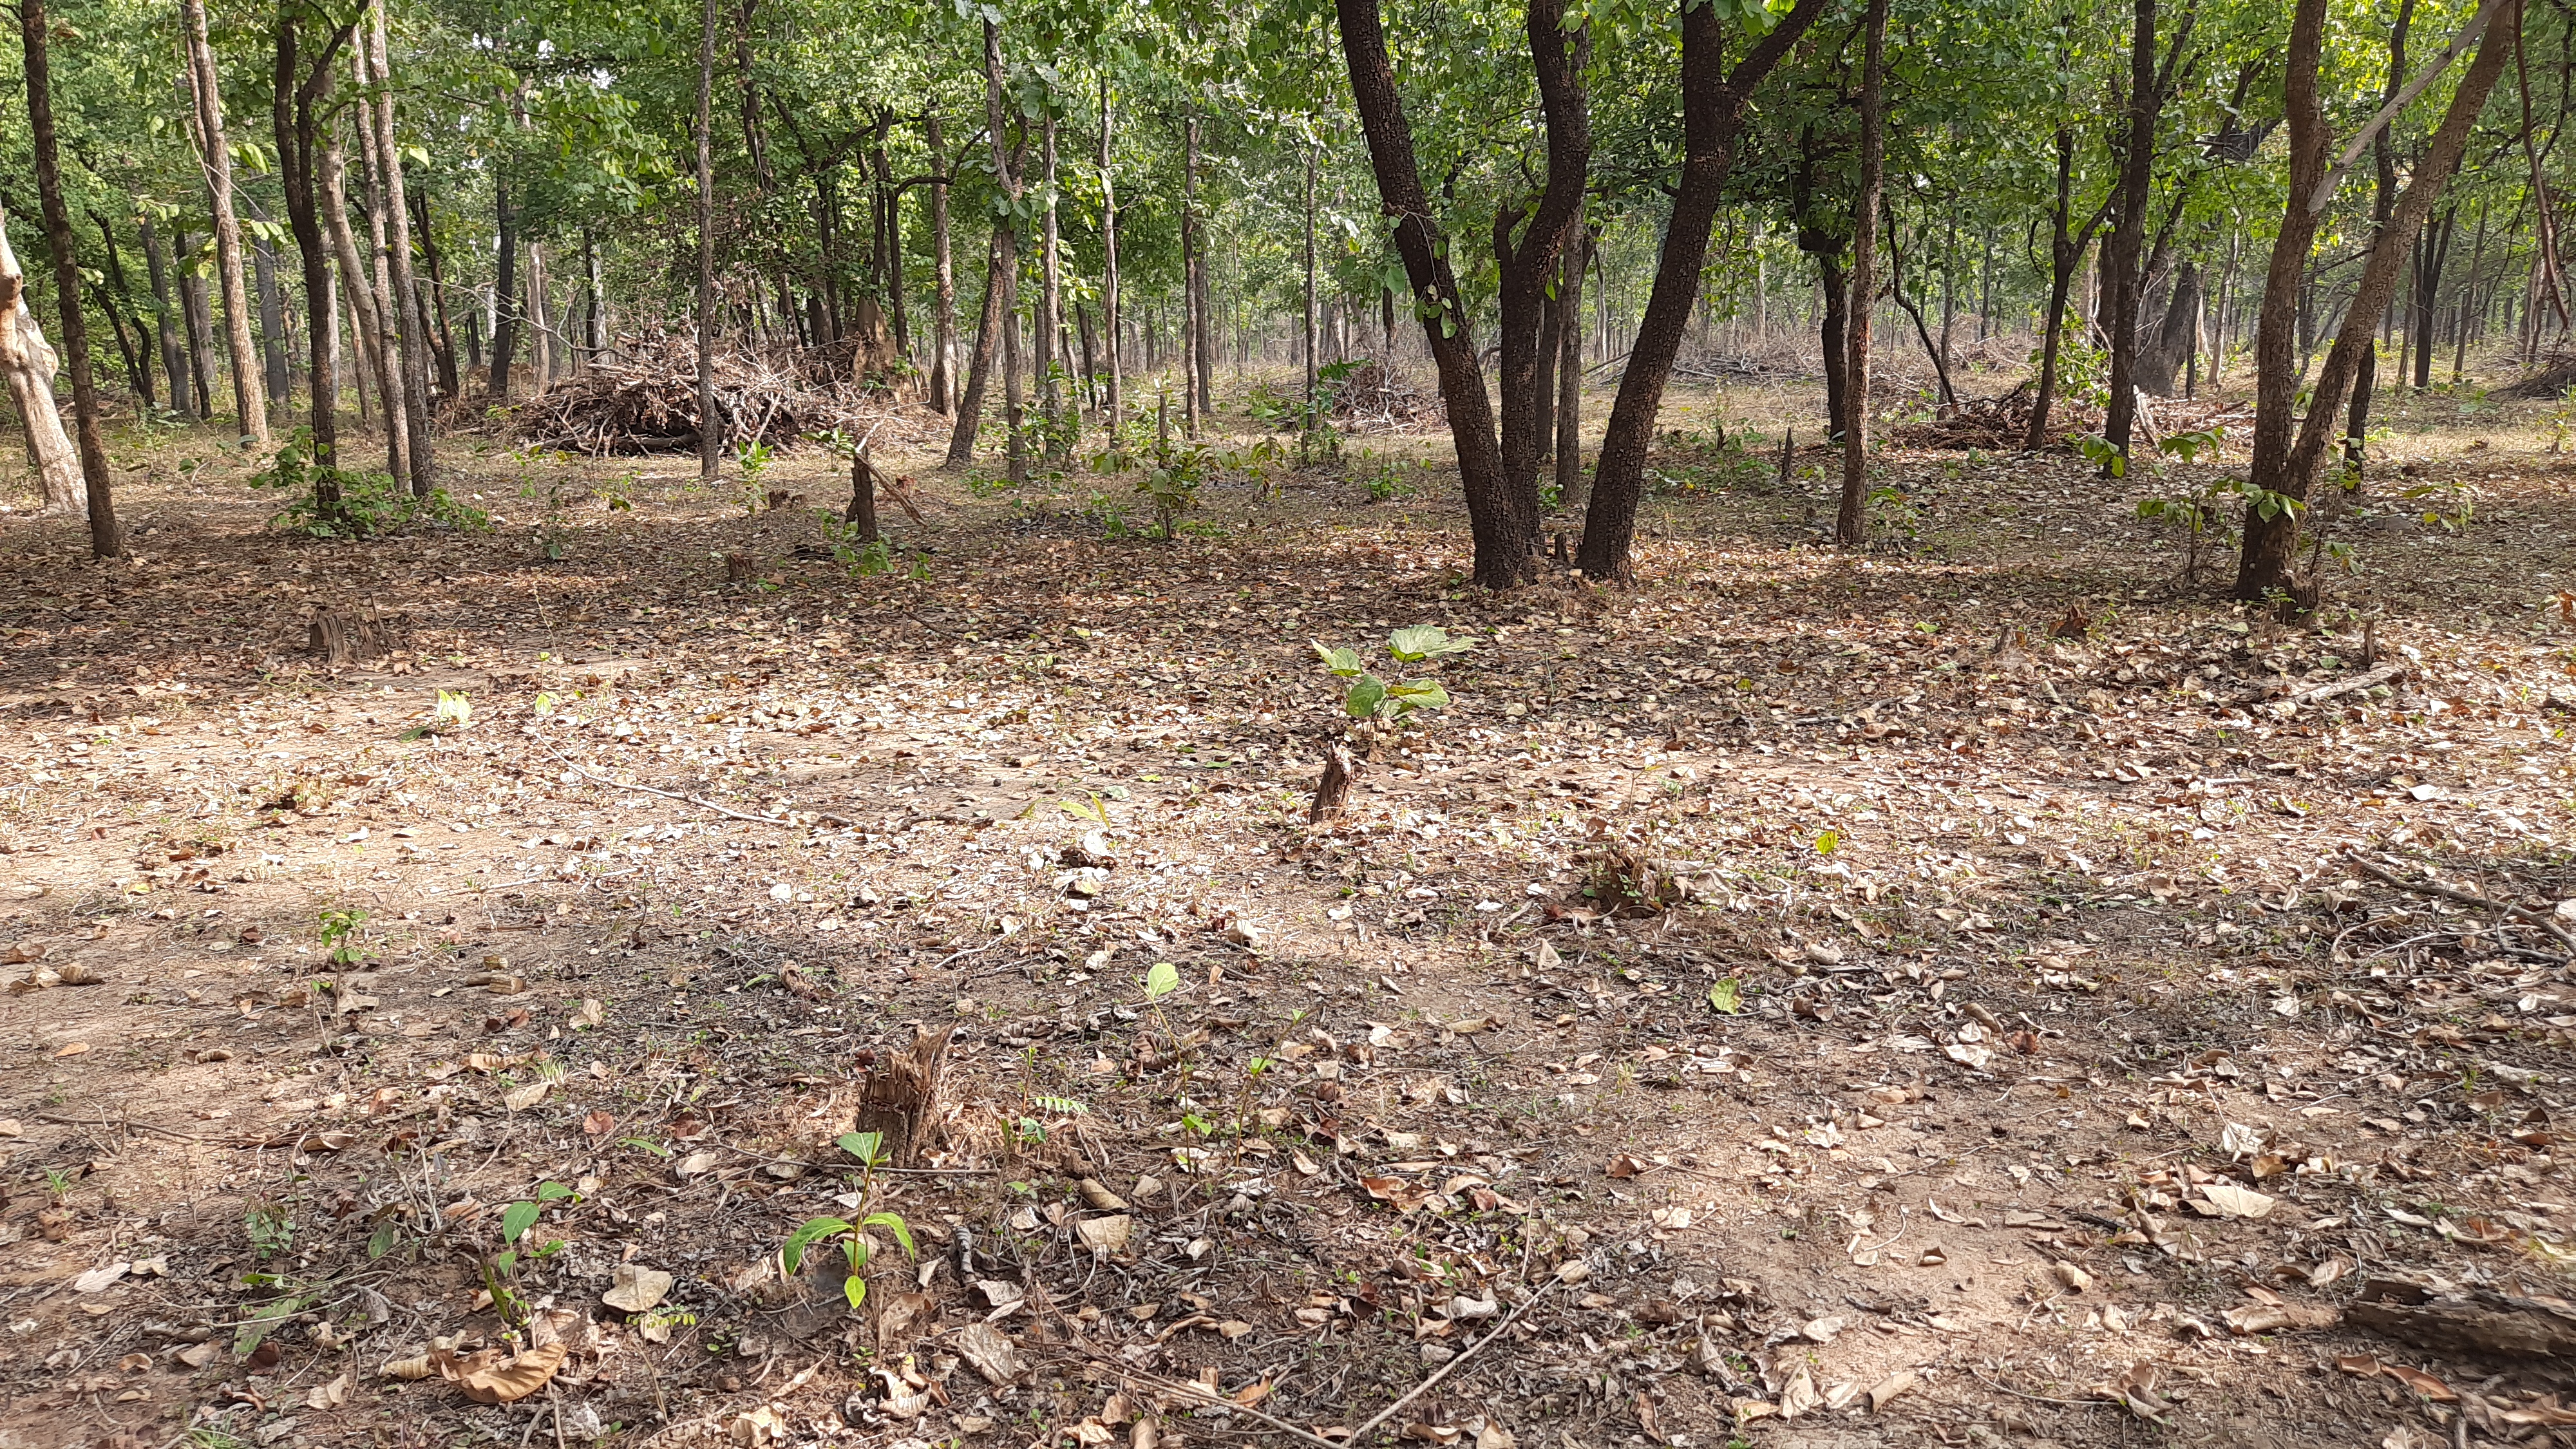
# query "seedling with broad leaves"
(1367, 698)
(851, 1233)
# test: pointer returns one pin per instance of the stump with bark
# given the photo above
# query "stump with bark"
(344, 638)
(1335, 789)
(899, 1098)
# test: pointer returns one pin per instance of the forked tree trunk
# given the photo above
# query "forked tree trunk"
(411, 328)
(29, 363)
(2126, 244)
(167, 322)
(979, 364)
(1526, 266)
(1505, 552)
(300, 90)
(2281, 466)
(106, 539)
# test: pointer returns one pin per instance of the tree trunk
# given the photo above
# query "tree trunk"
(411, 329)
(1712, 115)
(2122, 249)
(449, 385)
(1050, 306)
(200, 326)
(1524, 268)
(1851, 522)
(133, 353)
(274, 372)
(29, 363)
(1569, 371)
(366, 326)
(979, 364)
(167, 321)
(505, 295)
(1189, 275)
(1312, 319)
(1006, 257)
(2163, 355)
(943, 309)
(1505, 548)
(1832, 339)
(215, 159)
(378, 274)
(710, 431)
(106, 540)
(1109, 335)
(299, 94)
(2279, 466)
(2066, 252)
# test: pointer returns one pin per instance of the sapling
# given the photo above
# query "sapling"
(870, 1149)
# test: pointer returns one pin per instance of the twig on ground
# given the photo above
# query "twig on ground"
(2039, 1398)
(1360, 1434)
(694, 800)
(126, 1124)
(2466, 898)
(1201, 1394)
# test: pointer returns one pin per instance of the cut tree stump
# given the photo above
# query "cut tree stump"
(738, 568)
(341, 637)
(1336, 786)
(2469, 1320)
(900, 1099)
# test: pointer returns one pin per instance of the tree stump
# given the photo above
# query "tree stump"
(900, 1101)
(738, 567)
(343, 638)
(1339, 771)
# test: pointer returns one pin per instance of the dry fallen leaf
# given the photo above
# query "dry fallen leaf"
(1105, 1234)
(637, 1288)
(491, 1377)
(2236, 1202)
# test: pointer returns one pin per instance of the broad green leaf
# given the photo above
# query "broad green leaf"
(549, 1191)
(808, 1233)
(1425, 641)
(855, 1289)
(1826, 842)
(1727, 996)
(516, 1219)
(1419, 694)
(1343, 662)
(868, 1147)
(1161, 980)
(1366, 694)
(892, 1223)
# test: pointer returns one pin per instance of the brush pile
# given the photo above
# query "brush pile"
(645, 400)
(2553, 372)
(2000, 423)
(1376, 399)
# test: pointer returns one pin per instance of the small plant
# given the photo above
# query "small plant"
(454, 710)
(368, 504)
(340, 937)
(1174, 473)
(870, 1149)
(751, 461)
(501, 1269)
(2446, 503)
(1366, 697)
(270, 1226)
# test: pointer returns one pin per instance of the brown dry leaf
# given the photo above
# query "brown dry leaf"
(636, 1288)
(526, 1097)
(1107, 1234)
(988, 1352)
(1799, 1396)
(490, 1377)
(1097, 1194)
(1889, 1387)
(2226, 1199)
(2421, 1382)
(597, 1123)
(1624, 1165)
(331, 1395)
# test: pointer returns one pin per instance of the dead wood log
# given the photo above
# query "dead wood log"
(343, 638)
(1336, 786)
(900, 1101)
(2470, 1320)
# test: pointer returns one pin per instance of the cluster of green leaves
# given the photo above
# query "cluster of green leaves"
(1366, 697)
(369, 504)
(851, 1233)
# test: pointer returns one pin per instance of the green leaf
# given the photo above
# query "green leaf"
(1161, 980)
(1367, 692)
(868, 1147)
(855, 1250)
(855, 1289)
(1061, 1106)
(1340, 661)
(1826, 842)
(1425, 641)
(1727, 996)
(516, 1219)
(892, 1223)
(549, 1191)
(1416, 694)
(808, 1233)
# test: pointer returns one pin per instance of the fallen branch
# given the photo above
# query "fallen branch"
(2316, 693)
(1360, 1434)
(2474, 1320)
(2466, 898)
(833, 820)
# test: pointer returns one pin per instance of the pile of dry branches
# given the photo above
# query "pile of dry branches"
(1996, 422)
(2552, 373)
(645, 400)
(1376, 399)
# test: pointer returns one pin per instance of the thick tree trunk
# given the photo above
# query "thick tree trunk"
(274, 371)
(366, 327)
(1712, 115)
(1505, 546)
(167, 322)
(505, 295)
(377, 276)
(1833, 285)
(979, 364)
(1569, 371)
(943, 307)
(29, 362)
(106, 540)
(411, 328)
(2281, 467)
(1524, 268)
(299, 92)
(2127, 241)
(215, 159)
(1851, 522)
(2162, 356)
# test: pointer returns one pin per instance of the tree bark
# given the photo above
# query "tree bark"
(274, 371)
(215, 159)
(2122, 249)
(1311, 317)
(505, 295)
(1050, 305)
(1712, 116)
(366, 327)
(2163, 356)
(1833, 316)
(979, 364)
(167, 321)
(299, 90)
(1851, 522)
(1569, 371)
(377, 276)
(1189, 275)
(710, 432)
(411, 328)
(136, 356)
(199, 327)
(1006, 256)
(2067, 242)
(1524, 267)
(29, 363)
(2280, 466)
(449, 384)
(1505, 547)
(1110, 347)
(943, 310)
(106, 540)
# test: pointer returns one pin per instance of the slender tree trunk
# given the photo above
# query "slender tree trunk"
(943, 308)
(276, 377)
(979, 365)
(1206, 356)
(2066, 253)
(1006, 253)
(136, 357)
(299, 91)
(1109, 321)
(1189, 275)
(167, 321)
(1712, 116)
(449, 384)
(1051, 402)
(1312, 318)
(216, 161)
(1833, 321)
(366, 324)
(29, 363)
(1504, 554)
(1551, 320)
(1569, 371)
(710, 430)
(505, 294)
(1851, 523)
(411, 329)
(2281, 466)
(378, 274)
(199, 321)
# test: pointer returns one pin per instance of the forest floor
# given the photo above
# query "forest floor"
(1800, 1000)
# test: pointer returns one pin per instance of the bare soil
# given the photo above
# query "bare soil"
(1941, 993)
